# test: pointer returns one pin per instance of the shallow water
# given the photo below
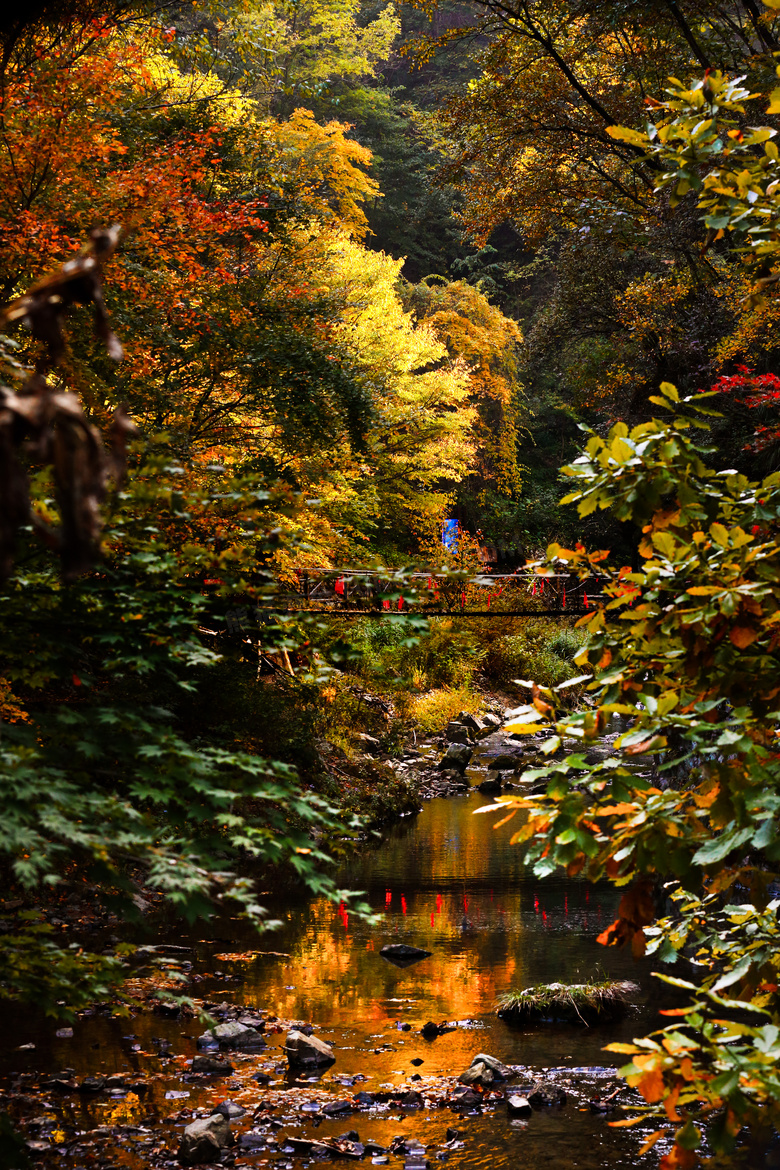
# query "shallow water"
(445, 881)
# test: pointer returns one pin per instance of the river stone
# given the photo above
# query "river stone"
(457, 756)
(231, 1035)
(336, 1108)
(546, 1093)
(458, 733)
(306, 1051)
(92, 1085)
(462, 1097)
(506, 762)
(402, 955)
(204, 1140)
(491, 722)
(491, 785)
(230, 1109)
(470, 721)
(518, 1106)
(479, 1074)
(253, 1139)
(503, 1071)
(216, 1065)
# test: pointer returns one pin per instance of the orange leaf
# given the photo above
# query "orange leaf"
(648, 1145)
(613, 868)
(651, 1086)
(638, 749)
(670, 1104)
(678, 1159)
(742, 636)
(638, 944)
(637, 904)
(606, 937)
(706, 798)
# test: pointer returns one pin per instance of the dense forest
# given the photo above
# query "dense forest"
(289, 287)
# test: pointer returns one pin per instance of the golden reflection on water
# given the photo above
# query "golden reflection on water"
(446, 882)
(449, 883)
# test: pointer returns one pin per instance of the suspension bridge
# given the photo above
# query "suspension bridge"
(366, 593)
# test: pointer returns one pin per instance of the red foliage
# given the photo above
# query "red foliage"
(758, 391)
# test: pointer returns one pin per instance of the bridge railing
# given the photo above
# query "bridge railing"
(522, 592)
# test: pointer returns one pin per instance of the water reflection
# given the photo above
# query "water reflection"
(447, 882)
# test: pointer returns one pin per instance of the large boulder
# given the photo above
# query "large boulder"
(307, 1051)
(204, 1140)
(456, 756)
(231, 1034)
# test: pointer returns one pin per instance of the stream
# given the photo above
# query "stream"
(445, 881)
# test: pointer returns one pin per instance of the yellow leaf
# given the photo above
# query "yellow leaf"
(719, 534)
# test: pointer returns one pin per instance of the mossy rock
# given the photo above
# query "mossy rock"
(568, 1003)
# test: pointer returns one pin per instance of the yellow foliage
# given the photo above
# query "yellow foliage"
(434, 709)
(323, 169)
(478, 333)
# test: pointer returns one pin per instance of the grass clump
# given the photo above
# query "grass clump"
(433, 710)
(583, 1003)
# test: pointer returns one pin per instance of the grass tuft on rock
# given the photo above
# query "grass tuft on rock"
(583, 1003)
